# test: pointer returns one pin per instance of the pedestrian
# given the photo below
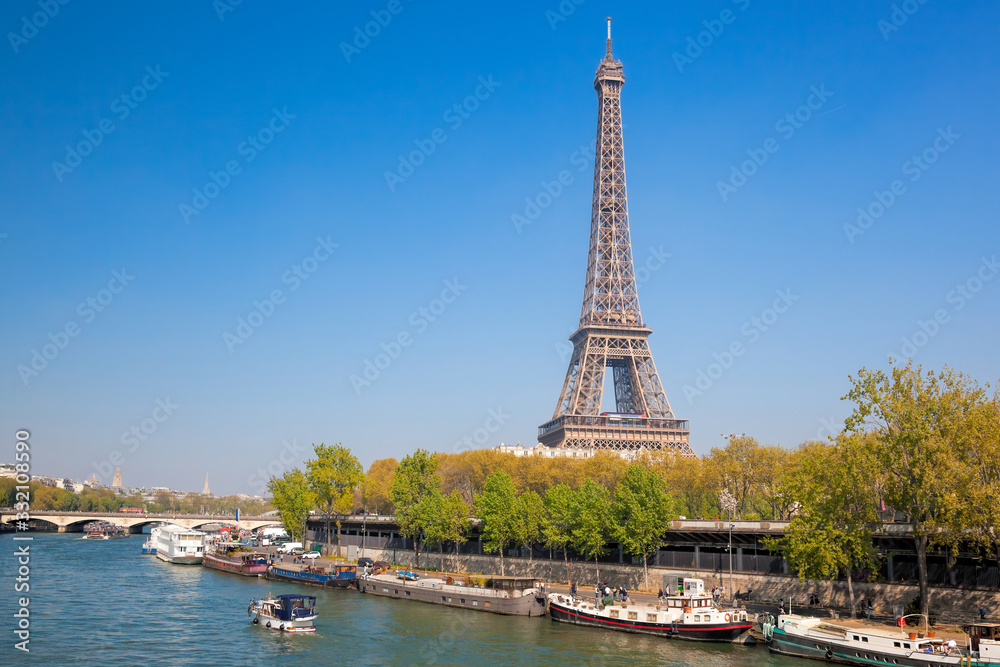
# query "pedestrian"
(870, 611)
(597, 594)
(659, 596)
(722, 591)
(982, 613)
(572, 589)
(781, 608)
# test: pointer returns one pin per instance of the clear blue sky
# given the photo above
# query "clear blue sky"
(329, 125)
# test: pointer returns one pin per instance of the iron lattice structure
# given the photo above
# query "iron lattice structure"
(611, 333)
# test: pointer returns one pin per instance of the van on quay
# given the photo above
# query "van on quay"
(287, 547)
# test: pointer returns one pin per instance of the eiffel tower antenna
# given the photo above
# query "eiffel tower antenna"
(611, 332)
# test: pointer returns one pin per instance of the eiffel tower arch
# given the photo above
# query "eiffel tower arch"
(611, 332)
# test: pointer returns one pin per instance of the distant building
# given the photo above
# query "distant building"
(206, 491)
(563, 452)
(116, 482)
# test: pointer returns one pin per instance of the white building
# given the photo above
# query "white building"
(561, 452)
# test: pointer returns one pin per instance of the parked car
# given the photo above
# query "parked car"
(297, 551)
(365, 562)
(311, 555)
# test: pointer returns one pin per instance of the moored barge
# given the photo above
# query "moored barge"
(515, 596)
(693, 615)
(816, 638)
(336, 576)
(234, 557)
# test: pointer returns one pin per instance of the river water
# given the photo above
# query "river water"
(102, 603)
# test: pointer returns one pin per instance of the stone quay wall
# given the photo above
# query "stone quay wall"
(954, 604)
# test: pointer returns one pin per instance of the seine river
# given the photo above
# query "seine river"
(102, 603)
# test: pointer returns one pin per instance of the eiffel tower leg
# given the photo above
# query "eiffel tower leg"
(590, 383)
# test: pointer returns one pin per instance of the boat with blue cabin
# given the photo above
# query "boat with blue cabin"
(286, 613)
(335, 576)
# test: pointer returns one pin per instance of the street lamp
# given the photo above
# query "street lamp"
(731, 591)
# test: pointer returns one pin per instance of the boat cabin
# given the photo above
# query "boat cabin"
(513, 583)
(985, 638)
(293, 607)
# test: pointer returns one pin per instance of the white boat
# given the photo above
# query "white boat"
(178, 545)
(285, 613)
(817, 638)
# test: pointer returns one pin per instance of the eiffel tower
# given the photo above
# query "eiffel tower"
(611, 333)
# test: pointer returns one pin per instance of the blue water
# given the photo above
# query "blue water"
(102, 603)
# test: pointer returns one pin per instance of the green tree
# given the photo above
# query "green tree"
(496, 507)
(447, 521)
(292, 498)
(558, 525)
(644, 511)
(333, 476)
(415, 486)
(831, 532)
(591, 521)
(920, 426)
(529, 520)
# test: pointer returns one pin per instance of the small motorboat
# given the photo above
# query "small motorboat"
(406, 575)
(148, 548)
(286, 613)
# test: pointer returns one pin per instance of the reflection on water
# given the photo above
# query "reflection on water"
(101, 602)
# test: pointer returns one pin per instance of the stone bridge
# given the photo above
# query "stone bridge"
(73, 522)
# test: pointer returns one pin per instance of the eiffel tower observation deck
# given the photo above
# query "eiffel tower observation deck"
(611, 332)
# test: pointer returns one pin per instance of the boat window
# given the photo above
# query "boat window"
(855, 638)
(697, 617)
(475, 603)
(614, 613)
(463, 600)
(906, 646)
(443, 599)
(651, 617)
(633, 616)
(895, 644)
(864, 639)
(487, 604)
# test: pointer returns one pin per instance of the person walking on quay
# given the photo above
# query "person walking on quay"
(781, 608)
(597, 594)
(982, 613)
(572, 589)
(659, 596)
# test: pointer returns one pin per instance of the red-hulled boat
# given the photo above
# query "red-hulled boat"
(691, 615)
(234, 557)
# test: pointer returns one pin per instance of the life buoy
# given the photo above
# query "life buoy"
(727, 618)
(829, 654)
(282, 628)
(268, 624)
(256, 621)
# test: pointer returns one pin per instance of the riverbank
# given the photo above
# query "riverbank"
(954, 605)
